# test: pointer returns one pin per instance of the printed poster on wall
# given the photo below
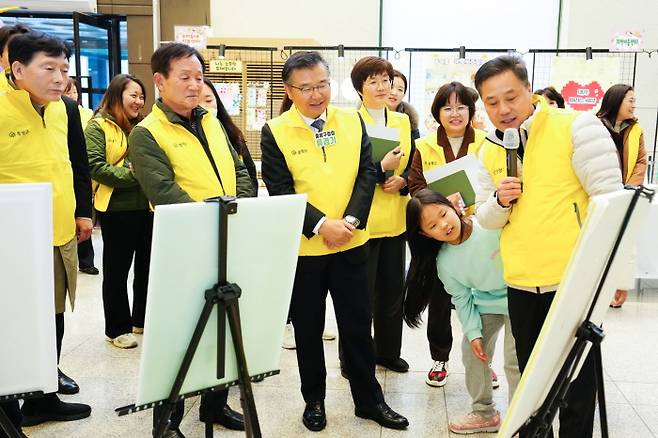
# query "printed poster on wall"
(442, 68)
(257, 93)
(230, 95)
(195, 36)
(583, 82)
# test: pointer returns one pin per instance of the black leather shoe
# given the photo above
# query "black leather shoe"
(384, 415)
(91, 270)
(66, 385)
(398, 365)
(51, 408)
(226, 417)
(314, 417)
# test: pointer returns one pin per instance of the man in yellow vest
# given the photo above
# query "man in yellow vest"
(324, 151)
(181, 153)
(34, 148)
(567, 158)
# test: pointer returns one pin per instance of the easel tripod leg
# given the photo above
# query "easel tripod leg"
(7, 425)
(600, 391)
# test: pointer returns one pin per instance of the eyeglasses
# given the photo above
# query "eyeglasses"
(460, 109)
(307, 91)
(376, 83)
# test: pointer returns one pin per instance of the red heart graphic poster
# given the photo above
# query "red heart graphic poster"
(582, 97)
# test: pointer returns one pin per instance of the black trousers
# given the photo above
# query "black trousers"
(86, 254)
(211, 403)
(386, 291)
(527, 312)
(439, 329)
(125, 233)
(344, 274)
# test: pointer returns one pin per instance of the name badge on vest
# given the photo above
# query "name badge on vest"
(325, 138)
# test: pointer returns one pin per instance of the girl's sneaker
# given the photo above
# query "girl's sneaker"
(475, 423)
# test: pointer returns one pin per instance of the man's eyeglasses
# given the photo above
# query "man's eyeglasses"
(307, 91)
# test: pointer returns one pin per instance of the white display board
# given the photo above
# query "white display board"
(263, 244)
(27, 301)
(646, 265)
(574, 297)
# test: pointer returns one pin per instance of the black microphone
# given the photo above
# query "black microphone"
(511, 143)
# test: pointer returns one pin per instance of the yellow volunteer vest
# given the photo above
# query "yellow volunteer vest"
(494, 158)
(85, 115)
(432, 153)
(116, 145)
(633, 150)
(328, 182)
(192, 169)
(4, 82)
(543, 226)
(35, 149)
(388, 211)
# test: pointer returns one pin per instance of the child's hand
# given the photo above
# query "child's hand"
(478, 350)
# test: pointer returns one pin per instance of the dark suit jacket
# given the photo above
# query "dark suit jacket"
(279, 180)
(79, 160)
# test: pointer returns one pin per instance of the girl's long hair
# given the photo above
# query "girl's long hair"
(612, 100)
(422, 278)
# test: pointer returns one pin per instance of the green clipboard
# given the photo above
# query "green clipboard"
(456, 182)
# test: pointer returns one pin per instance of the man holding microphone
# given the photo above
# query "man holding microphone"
(567, 158)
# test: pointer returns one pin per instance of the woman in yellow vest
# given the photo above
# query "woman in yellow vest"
(617, 114)
(372, 77)
(453, 108)
(122, 209)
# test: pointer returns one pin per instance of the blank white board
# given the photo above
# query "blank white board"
(263, 243)
(647, 244)
(574, 297)
(27, 300)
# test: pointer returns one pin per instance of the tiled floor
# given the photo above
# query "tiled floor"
(108, 378)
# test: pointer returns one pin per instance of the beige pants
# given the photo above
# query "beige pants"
(65, 261)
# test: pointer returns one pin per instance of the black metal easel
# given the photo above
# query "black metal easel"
(539, 425)
(5, 423)
(224, 296)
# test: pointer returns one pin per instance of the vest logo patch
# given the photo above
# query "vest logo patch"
(19, 133)
(181, 144)
(430, 163)
(498, 171)
(299, 151)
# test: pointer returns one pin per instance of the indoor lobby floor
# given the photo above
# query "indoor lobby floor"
(108, 379)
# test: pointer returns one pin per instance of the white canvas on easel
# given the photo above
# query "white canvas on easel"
(27, 303)
(574, 297)
(263, 243)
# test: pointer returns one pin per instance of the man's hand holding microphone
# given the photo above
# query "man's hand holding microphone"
(510, 188)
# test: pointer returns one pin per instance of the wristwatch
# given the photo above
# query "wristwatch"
(352, 220)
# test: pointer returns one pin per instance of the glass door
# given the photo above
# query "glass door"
(97, 54)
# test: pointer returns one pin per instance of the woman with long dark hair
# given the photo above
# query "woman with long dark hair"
(210, 100)
(122, 209)
(617, 114)
(466, 258)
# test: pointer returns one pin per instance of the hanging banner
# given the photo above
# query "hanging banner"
(224, 66)
(583, 82)
(626, 42)
(194, 36)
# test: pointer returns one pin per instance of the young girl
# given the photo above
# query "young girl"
(466, 259)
